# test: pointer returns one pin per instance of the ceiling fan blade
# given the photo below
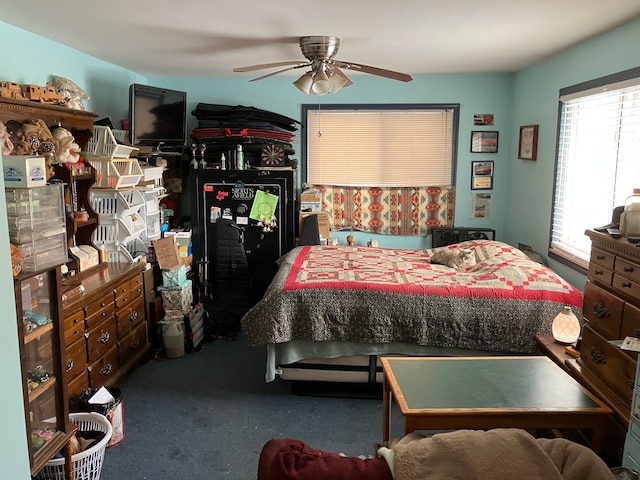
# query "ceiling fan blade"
(337, 71)
(381, 72)
(280, 71)
(251, 68)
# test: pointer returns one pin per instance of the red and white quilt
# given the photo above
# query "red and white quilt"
(382, 295)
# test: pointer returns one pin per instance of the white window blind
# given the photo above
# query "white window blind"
(380, 147)
(598, 163)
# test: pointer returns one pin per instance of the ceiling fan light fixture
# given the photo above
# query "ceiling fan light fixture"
(337, 82)
(304, 83)
(321, 83)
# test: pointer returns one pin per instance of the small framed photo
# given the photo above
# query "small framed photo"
(484, 142)
(528, 142)
(482, 175)
(483, 119)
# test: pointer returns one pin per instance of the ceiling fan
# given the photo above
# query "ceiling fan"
(326, 73)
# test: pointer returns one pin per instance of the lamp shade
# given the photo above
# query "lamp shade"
(304, 83)
(337, 82)
(321, 83)
(566, 327)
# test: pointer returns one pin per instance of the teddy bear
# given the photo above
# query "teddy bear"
(67, 149)
(35, 138)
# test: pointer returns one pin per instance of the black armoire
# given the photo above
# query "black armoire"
(230, 194)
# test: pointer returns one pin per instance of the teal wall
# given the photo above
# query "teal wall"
(522, 190)
(530, 184)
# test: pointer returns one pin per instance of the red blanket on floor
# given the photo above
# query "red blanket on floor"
(289, 459)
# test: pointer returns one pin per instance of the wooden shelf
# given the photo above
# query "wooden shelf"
(38, 332)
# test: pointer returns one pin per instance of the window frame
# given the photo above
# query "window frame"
(455, 107)
(587, 88)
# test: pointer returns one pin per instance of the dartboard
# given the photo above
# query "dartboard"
(272, 155)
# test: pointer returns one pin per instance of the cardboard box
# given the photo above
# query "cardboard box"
(324, 224)
(310, 201)
(22, 171)
(167, 254)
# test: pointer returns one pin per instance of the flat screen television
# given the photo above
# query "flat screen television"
(157, 117)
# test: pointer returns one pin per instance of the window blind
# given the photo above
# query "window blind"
(597, 163)
(380, 147)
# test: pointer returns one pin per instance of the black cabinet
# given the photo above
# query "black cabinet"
(233, 194)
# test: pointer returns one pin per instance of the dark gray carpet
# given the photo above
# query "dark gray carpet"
(207, 415)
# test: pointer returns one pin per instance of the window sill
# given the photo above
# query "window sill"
(576, 263)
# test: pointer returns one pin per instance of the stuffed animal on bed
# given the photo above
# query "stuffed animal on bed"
(458, 259)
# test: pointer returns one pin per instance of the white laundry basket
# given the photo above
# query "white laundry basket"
(87, 465)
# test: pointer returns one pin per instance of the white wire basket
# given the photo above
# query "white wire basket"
(115, 204)
(103, 144)
(87, 465)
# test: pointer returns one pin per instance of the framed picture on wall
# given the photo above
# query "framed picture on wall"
(528, 142)
(482, 175)
(484, 142)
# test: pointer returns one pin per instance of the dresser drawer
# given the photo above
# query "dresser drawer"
(627, 269)
(136, 286)
(128, 317)
(104, 369)
(132, 344)
(602, 258)
(76, 356)
(74, 327)
(603, 310)
(129, 291)
(96, 306)
(100, 339)
(94, 316)
(626, 286)
(614, 367)
(600, 274)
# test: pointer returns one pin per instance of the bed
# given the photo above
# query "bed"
(332, 311)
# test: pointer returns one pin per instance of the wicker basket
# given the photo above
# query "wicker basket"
(87, 465)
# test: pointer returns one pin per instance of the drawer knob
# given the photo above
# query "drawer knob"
(626, 285)
(104, 337)
(69, 365)
(133, 315)
(106, 370)
(598, 357)
(628, 269)
(598, 273)
(599, 257)
(600, 310)
(135, 344)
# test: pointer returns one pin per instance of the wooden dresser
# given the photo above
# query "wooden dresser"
(105, 327)
(611, 310)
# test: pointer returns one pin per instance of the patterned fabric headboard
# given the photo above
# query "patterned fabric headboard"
(388, 210)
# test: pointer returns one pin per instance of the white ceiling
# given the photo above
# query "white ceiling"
(193, 38)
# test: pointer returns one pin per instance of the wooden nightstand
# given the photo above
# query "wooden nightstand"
(553, 350)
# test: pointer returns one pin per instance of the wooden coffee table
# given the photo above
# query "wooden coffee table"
(532, 392)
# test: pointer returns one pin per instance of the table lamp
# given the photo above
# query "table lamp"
(566, 327)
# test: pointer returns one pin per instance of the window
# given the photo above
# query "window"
(389, 145)
(598, 160)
